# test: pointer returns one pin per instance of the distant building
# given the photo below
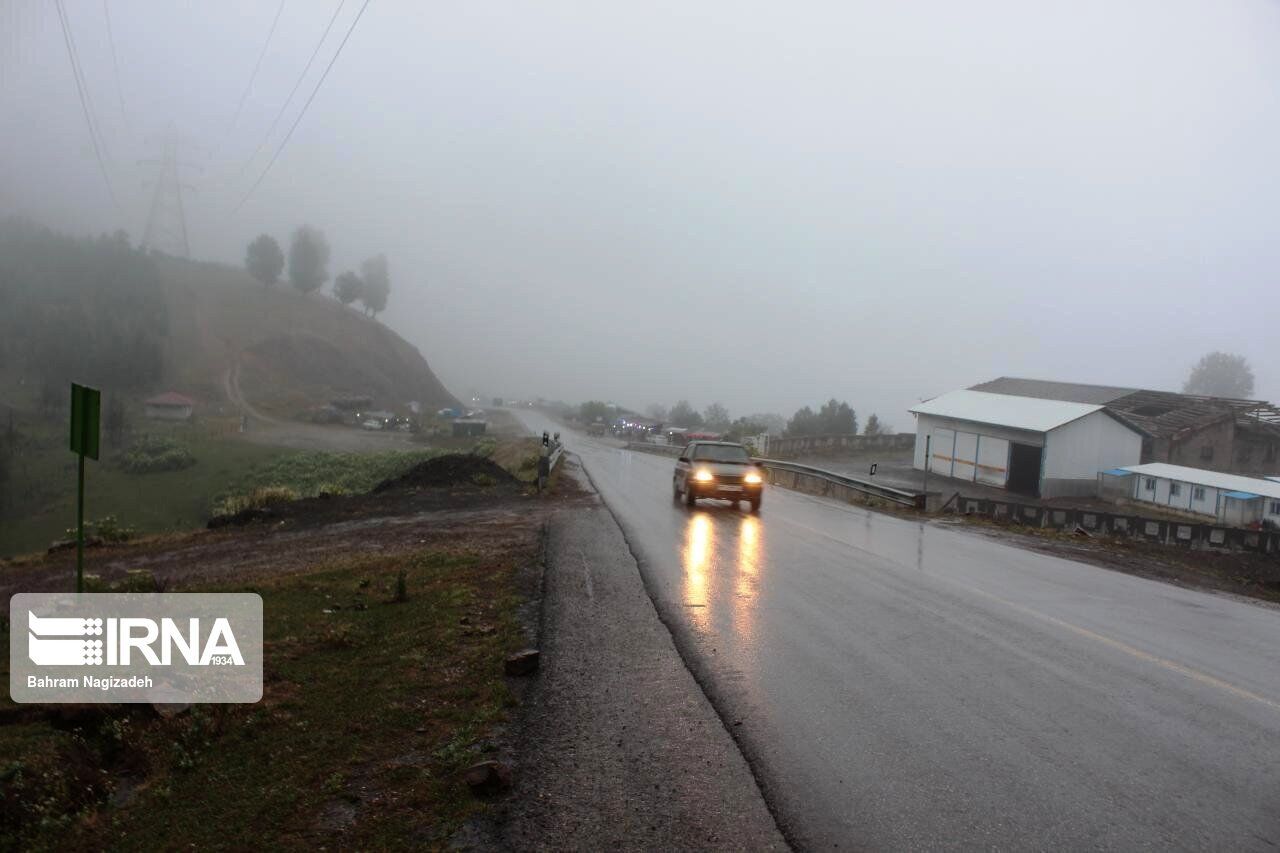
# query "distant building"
(465, 427)
(1034, 446)
(1228, 498)
(1214, 433)
(170, 406)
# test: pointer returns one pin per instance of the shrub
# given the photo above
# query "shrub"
(259, 498)
(152, 453)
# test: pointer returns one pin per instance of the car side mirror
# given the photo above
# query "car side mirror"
(683, 459)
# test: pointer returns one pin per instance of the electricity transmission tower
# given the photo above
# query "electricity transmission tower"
(166, 229)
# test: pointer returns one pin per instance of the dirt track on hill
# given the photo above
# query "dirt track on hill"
(265, 429)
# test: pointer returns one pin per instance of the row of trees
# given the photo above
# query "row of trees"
(309, 269)
(832, 418)
(89, 309)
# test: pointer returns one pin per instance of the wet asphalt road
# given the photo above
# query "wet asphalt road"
(902, 685)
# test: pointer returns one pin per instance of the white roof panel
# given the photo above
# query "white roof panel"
(1213, 479)
(1028, 413)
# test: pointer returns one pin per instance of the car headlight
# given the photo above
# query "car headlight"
(753, 478)
(702, 475)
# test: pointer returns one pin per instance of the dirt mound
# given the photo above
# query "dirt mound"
(454, 469)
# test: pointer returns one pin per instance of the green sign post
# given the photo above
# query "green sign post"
(86, 403)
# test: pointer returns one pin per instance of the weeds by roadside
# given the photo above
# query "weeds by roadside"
(383, 681)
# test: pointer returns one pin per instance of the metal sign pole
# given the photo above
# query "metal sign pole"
(80, 528)
(86, 405)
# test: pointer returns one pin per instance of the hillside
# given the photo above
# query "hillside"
(290, 351)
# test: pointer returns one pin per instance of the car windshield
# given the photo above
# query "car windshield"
(720, 453)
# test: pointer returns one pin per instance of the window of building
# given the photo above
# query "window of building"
(1275, 508)
(1197, 494)
(1175, 489)
(1149, 484)
(1206, 452)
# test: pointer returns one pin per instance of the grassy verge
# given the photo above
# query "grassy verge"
(371, 709)
(37, 504)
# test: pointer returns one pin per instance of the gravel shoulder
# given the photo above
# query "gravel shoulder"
(621, 749)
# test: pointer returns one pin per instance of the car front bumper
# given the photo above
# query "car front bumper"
(724, 491)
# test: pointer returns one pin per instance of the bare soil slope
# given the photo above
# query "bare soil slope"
(293, 351)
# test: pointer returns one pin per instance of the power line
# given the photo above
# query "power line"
(115, 62)
(256, 67)
(289, 100)
(305, 106)
(85, 104)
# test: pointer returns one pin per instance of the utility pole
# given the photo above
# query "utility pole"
(166, 229)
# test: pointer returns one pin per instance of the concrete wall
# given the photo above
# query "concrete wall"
(837, 445)
(1187, 534)
(1208, 447)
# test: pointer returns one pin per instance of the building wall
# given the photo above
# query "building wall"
(169, 413)
(1209, 447)
(1255, 453)
(1077, 451)
(1184, 501)
(928, 425)
(1221, 446)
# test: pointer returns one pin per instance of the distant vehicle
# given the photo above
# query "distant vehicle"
(373, 423)
(717, 469)
(595, 429)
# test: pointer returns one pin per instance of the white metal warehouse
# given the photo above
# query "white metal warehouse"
(1229, 498)
(1044, 448)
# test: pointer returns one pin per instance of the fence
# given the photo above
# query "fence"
(835, 445)
(1189, 534)
(806, 478)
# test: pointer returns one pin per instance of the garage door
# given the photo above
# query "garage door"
(993, 461)
(941, 447)
(966, 456)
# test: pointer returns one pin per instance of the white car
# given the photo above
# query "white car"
(372, 423)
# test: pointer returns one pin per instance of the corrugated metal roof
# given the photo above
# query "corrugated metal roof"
(1027, 413)
(1212, 479)
(1071, 392)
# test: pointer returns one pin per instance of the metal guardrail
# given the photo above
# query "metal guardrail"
(547, 464)
(856, 484)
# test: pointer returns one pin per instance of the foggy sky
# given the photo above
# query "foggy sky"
(763, 205)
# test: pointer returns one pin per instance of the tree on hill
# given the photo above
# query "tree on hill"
(594, 410)
(769, 422)
(1220, 374)
(348, 287)
(834, 418)
(872, 426)
(308, 259)
(657, 411)
(264, 260)
(743, 427)
(716, 417)
(92, 310)
(684, 415)
(377, 284)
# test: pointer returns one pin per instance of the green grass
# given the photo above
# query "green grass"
(39, 500)
(369, 714)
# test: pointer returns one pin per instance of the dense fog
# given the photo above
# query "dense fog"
(761, 205)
